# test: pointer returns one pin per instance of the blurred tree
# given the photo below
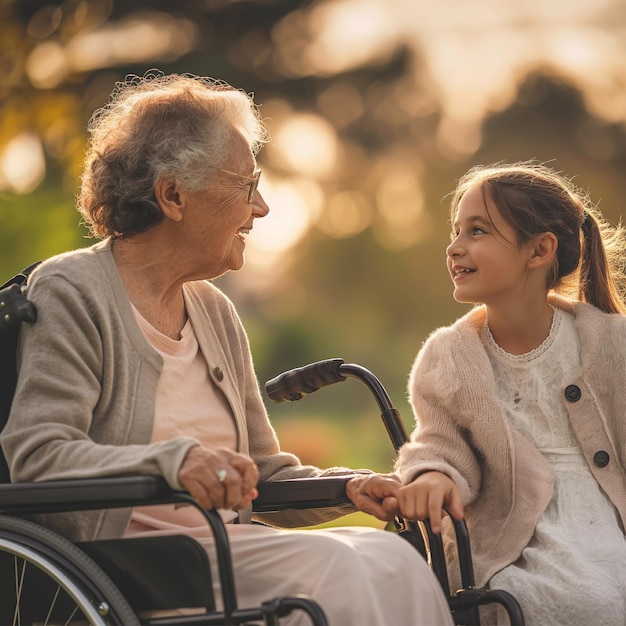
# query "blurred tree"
(368, 281)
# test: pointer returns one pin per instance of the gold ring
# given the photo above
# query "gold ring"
(221, 475)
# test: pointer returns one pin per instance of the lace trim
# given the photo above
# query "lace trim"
(533, 354)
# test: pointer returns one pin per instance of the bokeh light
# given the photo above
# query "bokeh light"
(147, 36)
(308, 144)
(22, 164)
(294, 204)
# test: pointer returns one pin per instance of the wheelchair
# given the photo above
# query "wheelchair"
(50, 580)
(464, 603)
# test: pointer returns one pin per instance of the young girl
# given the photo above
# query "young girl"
(521, 404)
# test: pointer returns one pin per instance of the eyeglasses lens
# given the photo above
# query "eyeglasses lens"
(254, 183)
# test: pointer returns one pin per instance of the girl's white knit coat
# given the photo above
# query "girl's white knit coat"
(504, 480)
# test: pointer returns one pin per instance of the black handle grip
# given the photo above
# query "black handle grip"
(15, 308)
(296, 383)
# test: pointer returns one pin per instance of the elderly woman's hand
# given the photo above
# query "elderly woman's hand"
(219, 477)
(376, 494)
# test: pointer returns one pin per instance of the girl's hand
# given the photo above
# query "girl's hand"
(219, 477)
(376, 494)
(427, 496)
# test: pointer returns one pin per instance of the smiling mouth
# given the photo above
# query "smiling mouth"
(459, 273)
(242, 233)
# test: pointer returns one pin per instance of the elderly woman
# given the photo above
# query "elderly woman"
(138, 364)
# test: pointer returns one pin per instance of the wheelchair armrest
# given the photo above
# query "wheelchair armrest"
(302, 493)
(58, 496)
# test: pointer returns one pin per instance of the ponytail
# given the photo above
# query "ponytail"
(602, 279)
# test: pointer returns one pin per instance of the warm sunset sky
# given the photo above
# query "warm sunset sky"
(473, 55)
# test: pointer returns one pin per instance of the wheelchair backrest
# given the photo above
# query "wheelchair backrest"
(14, 309)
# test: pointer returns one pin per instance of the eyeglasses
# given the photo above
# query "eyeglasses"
(254, 179)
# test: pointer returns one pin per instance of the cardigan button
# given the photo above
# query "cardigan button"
(601, 458)
(572, 393)
(219, 375)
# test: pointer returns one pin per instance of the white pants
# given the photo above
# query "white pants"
(359, 576)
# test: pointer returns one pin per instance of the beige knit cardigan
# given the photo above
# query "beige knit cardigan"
(84, 404)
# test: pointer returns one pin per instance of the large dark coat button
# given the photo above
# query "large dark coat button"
(601, 458)
(572, 393)
(219, 375)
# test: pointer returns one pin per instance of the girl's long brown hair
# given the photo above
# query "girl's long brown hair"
(590, 263)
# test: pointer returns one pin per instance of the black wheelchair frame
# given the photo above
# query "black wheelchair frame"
(125, 581)
(295, 384)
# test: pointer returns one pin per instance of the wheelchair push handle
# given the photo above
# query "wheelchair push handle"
(15, 308)
(294, 384)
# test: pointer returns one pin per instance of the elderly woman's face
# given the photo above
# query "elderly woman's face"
(221, 216)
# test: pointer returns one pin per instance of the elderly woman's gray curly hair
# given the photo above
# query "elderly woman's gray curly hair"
(152, 127)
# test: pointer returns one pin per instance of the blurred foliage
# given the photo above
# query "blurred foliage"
(361, 297)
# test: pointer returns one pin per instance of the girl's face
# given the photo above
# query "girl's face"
(485, 262)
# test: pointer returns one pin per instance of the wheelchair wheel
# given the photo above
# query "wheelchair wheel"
(48, 580)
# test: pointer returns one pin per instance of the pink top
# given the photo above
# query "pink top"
(187, 403)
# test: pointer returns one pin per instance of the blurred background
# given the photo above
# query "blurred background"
(376, 108)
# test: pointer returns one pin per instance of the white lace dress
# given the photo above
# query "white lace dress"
(573, 571)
